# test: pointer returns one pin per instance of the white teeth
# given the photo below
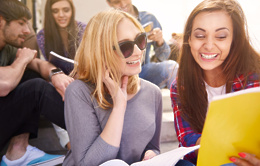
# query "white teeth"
(132, 62)
(209, 56)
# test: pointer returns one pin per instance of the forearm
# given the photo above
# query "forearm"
(112, 132)
(162, 52)
(10, 76)
(42, 67)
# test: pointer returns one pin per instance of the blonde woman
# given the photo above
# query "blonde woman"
(111, 112)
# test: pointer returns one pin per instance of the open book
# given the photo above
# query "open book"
(169, 158)
(232, 125)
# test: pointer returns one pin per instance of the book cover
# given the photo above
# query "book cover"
(232, 125)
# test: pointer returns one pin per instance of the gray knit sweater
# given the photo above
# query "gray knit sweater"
(85, 120)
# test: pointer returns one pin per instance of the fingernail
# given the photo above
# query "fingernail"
(243, 155)
(232, 159)
(146, 157)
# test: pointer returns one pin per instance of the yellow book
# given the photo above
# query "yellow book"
(232, 125)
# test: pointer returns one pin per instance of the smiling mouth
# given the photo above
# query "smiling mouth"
(212, 56)
(132, 62)
(62, 21)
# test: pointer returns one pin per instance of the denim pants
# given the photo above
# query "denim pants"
(161, 73)
(21, 108)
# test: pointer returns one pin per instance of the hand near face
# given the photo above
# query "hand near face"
(149, 154)
(246, 159)
(118, 93)
(26, 54)
(156, 35)
(60, 82)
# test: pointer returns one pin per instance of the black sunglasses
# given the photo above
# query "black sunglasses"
(127, 47)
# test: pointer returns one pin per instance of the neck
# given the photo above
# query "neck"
(214, 79)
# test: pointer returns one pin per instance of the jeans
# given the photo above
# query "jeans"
(161, 73)
(21, 108)
(184, 163)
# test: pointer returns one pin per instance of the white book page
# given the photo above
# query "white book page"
(114, 162)
(61, 57)
(168, 158)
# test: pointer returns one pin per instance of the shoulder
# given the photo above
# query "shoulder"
(146, 17)
(8, 51)
(78, 87)
(150, 87)
(145, 14)
(242, 82)
(81, 25)
(174, 91)
(7, 55)
(9, 48)
(174, 86)
(40, 35)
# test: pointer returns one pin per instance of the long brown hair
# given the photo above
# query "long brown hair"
(53, 41)
(242, 59)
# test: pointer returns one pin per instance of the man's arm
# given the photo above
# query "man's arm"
(59, 81)
(10, 76)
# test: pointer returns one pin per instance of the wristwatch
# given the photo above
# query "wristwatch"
(54, 72)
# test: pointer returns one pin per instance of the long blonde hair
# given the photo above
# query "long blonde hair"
(96, 54)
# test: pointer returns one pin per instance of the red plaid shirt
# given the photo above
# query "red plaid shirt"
(186, 136)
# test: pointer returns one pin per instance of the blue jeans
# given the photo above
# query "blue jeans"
(184, 163)
(161, 73)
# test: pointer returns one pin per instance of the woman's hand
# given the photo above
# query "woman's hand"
(118, 93)
(246, 159)
(112, 132)
(149, 154)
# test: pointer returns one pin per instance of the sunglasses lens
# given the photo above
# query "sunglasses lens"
(127, 49)
(141, 41)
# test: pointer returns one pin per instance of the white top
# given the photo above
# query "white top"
(215, 91)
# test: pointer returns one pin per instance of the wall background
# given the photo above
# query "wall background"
(172, 14)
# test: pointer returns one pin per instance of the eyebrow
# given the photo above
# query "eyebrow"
(24, 20)
(215, 30)
(128, 39)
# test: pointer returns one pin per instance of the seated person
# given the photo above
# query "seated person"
(63, 38)
(213, 62)
(105, 115)
(23, 97)
(163, 72)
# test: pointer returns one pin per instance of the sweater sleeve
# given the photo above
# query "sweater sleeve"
(154, 144)
(87, 147)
